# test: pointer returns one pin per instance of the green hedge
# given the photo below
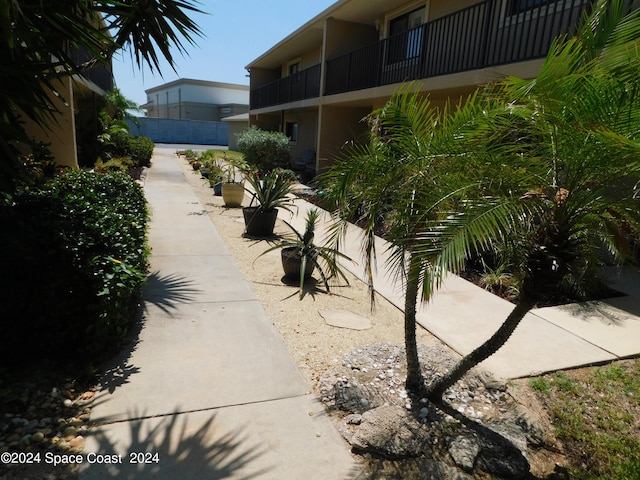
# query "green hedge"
(138, 147)
(74, 262)
(264, 150)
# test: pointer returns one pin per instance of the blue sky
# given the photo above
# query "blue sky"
(237, 32)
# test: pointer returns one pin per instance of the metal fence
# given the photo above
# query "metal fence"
(168, 130)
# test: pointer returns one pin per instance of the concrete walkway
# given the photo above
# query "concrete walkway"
(210, 386)
(463, 316)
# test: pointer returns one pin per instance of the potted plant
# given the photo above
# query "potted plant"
(270, 193)
(216, 176)
(300, 256)
(232, 187)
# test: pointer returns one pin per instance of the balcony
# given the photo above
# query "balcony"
(298, 86)
(100, 74)
(487, 34)
(479, 36)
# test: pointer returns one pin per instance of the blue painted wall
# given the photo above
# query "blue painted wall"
(169, 130)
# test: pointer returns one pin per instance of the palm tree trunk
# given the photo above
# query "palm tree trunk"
(484, 351)
(415, 381)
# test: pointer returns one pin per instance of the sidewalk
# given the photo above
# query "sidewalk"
(210, 386)
(463, 316)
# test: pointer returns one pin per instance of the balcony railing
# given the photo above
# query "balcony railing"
(98, 73)
(483, 35)
(479, 36)
(298, 86)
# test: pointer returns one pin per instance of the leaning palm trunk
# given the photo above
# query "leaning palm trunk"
(484, 351)
(414, 382)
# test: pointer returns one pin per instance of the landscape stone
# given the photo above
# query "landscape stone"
(392, 432)
(498, 456)
(464, 451)
(345, 319)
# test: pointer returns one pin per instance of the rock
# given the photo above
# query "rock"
(493, 384)
(77, 443)
(76, 422)
(353, 419)
(69, 432)
(498, 456)
(464, 451)
(345, 319)
(511, 432)
(532, 430)
(37, 437)
(391, 432)
(366, 357)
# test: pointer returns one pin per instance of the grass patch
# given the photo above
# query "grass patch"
(596, 415)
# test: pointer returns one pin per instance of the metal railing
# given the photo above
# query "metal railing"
(98, 73)
(298, 86)
(483, 35)
(489, 33)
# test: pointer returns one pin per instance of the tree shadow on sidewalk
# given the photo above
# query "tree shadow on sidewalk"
(172, 446)
(163, 291)
(168, 291)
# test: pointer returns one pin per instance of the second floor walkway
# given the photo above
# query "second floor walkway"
(487, 34)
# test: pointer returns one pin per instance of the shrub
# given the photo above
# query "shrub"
(141, 149)
(77, 256)
(264, 150)
(116, 164)
(138, 147)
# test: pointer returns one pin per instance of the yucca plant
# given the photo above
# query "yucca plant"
(300, 255)
(269, 192)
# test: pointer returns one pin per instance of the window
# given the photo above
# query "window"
(405, 35)
(516, 7)
(294, 68)
(291, 131)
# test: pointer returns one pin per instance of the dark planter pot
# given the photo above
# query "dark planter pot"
(291, 263)
(205, 172)
(259, 224)
(217, 189)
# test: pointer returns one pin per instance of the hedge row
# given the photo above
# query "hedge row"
(74, 257)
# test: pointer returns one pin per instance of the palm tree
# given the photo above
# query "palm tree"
(577, 129)
(117, 106)
(35, 45)
(409, 179)
(557, 165)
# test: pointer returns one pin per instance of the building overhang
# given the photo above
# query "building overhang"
(310, 35)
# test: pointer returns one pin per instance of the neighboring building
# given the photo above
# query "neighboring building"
(189, 99)
(319, 82)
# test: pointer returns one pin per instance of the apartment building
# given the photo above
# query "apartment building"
(317, 84)
(72, 138)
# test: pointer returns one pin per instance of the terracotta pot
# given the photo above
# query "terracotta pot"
(233, 194)
(259, 224)
(291, 263)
